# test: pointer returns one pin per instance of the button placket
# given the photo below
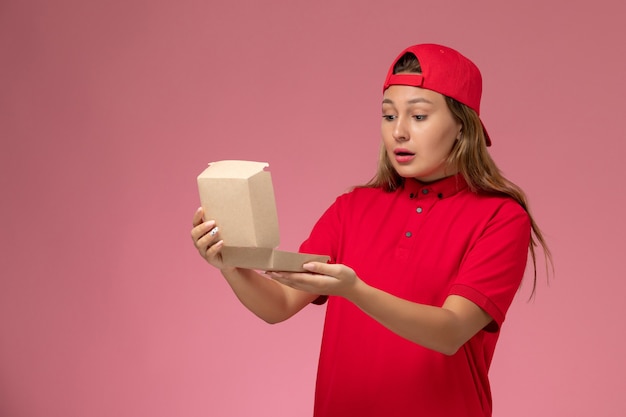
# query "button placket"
(418, 200)
(425, 200)
(414, 222)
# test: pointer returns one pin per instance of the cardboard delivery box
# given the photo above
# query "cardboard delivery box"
(239, 196)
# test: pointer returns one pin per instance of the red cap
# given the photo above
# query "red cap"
(445, 71)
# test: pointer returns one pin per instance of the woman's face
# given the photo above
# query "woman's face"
(418, 132)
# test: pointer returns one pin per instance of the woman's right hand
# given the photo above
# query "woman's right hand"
(206, 238)
(266, 298)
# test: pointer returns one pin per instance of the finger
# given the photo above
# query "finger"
(312, 283)
(289, 279)
(294, 278)
(208, 239)
(198, 216)
(214, 250)
(278, 276)
(203, 229)
(322, 268)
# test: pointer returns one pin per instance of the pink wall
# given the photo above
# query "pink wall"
(108, 111)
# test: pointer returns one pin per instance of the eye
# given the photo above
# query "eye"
(420, 117)
(389, 117)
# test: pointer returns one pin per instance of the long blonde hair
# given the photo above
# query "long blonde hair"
(470, 156)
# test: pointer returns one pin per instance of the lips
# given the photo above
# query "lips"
(403, 155)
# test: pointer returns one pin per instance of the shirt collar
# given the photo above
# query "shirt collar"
(443, 188)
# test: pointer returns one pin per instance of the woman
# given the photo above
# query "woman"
(425, 259)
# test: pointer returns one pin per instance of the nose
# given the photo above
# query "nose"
(400, 130)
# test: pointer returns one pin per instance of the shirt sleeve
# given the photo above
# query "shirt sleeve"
(324, 238)
(492, 270)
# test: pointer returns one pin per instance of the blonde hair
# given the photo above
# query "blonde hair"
(472, 160)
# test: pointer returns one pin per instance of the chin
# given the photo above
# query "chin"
(406, 172)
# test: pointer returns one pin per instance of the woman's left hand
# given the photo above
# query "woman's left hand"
(320, 278)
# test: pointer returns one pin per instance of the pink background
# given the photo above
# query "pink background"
(109, 110)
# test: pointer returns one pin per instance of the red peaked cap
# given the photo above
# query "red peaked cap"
(444, 71)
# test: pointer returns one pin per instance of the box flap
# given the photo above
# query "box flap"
(265, 259)
(234, 169)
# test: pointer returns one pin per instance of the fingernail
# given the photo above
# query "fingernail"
(214, 231)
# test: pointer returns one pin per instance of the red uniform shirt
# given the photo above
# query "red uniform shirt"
(422, 243)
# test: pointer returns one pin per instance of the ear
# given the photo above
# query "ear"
(459, 134)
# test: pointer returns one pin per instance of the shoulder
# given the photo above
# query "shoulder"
(359, 194)
(363, 198)
(481, 212)
(364, 192)
(490, 203)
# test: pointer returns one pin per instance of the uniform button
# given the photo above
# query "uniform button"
(424, 191)
(419, 210)
(408, 234)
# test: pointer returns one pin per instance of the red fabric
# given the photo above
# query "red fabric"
(460, 243)
(445, 71)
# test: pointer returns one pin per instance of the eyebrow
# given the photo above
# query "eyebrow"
(412, 101)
